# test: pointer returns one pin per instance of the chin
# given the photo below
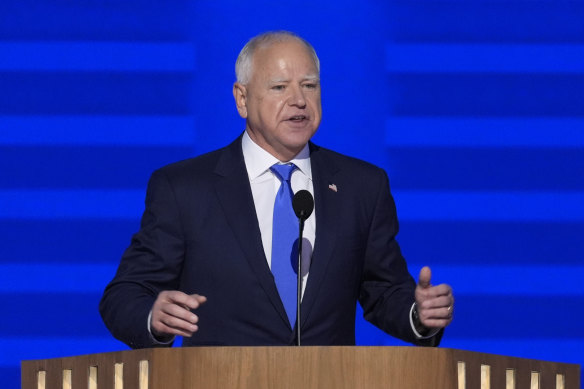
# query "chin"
(298, 140)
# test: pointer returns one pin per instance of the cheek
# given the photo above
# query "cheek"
(315, 99)
(317, 107)
(275, 109)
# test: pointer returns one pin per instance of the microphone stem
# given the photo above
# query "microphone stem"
(299, 279)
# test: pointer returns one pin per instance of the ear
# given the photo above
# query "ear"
(240, 96)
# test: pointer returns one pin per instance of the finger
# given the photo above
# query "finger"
(434, 292)
(436, 323)
(178, 323)
(172, 296)
(171, 313)
(424, 277)
(436, 302)
(170, 316)
(185, 300)
(438, 313)
(441, 313)
(170, 330)
(179, 312)
(436, 318)
(201, 299)
(442, 290)
(440, 299)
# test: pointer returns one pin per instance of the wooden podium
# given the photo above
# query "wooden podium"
(297, 367)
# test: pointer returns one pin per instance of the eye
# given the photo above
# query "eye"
(278, 87)
(311, 85)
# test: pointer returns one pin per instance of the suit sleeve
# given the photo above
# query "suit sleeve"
(387, 288)
(152, 263)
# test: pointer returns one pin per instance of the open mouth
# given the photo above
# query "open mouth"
(298, 118)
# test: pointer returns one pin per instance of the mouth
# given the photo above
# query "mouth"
(297, 118)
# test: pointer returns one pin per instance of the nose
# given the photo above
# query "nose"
(297, 97)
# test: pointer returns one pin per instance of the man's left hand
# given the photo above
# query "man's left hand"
(435, 304)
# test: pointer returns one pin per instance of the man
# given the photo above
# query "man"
(206, 262)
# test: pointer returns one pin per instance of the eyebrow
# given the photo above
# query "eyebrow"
(310, 77)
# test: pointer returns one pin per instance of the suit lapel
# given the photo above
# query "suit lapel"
(234, 193)
(327, 207)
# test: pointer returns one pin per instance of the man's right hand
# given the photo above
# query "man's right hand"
(171, 314)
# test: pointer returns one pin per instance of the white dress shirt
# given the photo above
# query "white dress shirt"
(264, 187)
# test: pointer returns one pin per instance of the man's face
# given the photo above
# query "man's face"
(281, 102)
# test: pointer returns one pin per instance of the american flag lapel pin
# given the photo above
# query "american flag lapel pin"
(333, 187)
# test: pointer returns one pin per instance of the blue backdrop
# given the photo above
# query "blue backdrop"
(475, 109)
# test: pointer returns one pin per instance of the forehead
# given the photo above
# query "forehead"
(289, 55)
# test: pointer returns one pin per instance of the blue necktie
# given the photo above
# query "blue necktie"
(284, 235)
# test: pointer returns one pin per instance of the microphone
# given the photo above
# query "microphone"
(303, 204)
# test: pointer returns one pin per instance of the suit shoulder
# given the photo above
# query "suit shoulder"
(351, 164)
(199, 166)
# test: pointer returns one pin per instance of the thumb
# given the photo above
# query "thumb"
(424, 278)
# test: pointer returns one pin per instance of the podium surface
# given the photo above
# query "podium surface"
(320, 367)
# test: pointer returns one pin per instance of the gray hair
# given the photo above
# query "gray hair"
(243, 65)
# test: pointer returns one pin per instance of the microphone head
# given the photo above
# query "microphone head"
(303, 204)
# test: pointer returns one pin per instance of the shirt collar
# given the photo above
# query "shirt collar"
(258, 160)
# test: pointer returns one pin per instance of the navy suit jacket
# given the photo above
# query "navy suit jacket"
(200, 234)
